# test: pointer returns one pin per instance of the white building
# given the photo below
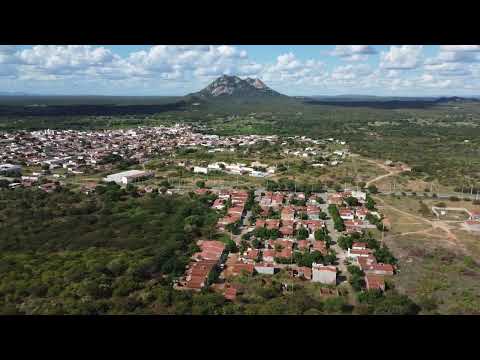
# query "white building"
(267, 269)
(258, 173)
(128, 177)
(360, 195)
(200, 170)
(325, 274)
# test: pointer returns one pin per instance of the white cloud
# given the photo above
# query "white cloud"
(289, 71)
(460, 48)
(353, 52)
(350, 72)
(401, 57)
(447, 69)
(185, 68)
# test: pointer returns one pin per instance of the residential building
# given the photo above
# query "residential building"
(325, 274)
(374, 282)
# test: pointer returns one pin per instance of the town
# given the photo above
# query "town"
(330, 237)
(319, 237)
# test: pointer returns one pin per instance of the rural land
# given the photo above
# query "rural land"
(239, 200)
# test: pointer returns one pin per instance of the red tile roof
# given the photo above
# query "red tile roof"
(374, 282)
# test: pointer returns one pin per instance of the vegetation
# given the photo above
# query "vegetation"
(337, 220)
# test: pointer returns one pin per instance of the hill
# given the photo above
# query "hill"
(234, 87)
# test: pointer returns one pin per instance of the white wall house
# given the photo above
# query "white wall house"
(324, 274)
(200, 170)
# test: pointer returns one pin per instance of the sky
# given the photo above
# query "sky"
(162, 70)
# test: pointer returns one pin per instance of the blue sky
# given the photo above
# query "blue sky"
(397, 70)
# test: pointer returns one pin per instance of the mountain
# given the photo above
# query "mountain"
(233, 86)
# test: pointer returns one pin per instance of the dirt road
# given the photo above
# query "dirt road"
(390, 171)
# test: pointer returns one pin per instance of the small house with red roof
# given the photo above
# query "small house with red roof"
(374, 282)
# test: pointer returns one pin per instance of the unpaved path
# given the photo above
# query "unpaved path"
(389, 170)
(437, 224)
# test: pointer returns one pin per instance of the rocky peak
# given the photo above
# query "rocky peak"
(235, 86)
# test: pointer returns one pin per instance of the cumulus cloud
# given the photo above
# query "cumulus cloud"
(353, 52)
(401, 57)
(289, 69)
(350, 72)
(447, 68)
(185, 68)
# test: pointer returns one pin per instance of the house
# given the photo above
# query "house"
(264, 268)
(325, 274)
(346, 214)
(197, 274)
(365, 261)
(200, 170)
(240, 268)
(210, 250)
(277, 200)
(304, 272)
(255, 173)
(359, 195)
(272, 224)
(218, 204)
(354, 225)
(313, 225)
(320, 246)
(359, 246)
(286, 231)
(252, 254)
(268, 255)
(355, 253)
(361, 213)
(259, 223)
(286, 250)
(474, 215)
(303, 244)
(236, 210)
(335, 199)
(379, 269)
(288, 213)
(374, 282)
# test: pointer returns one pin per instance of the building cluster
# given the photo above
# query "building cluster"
(315, 152)
(375, 272)
(78, 150)
(354, 216)
(256, 169)
(202, 265)
(235, 212)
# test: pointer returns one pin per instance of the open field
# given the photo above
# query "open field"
(439, 263)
